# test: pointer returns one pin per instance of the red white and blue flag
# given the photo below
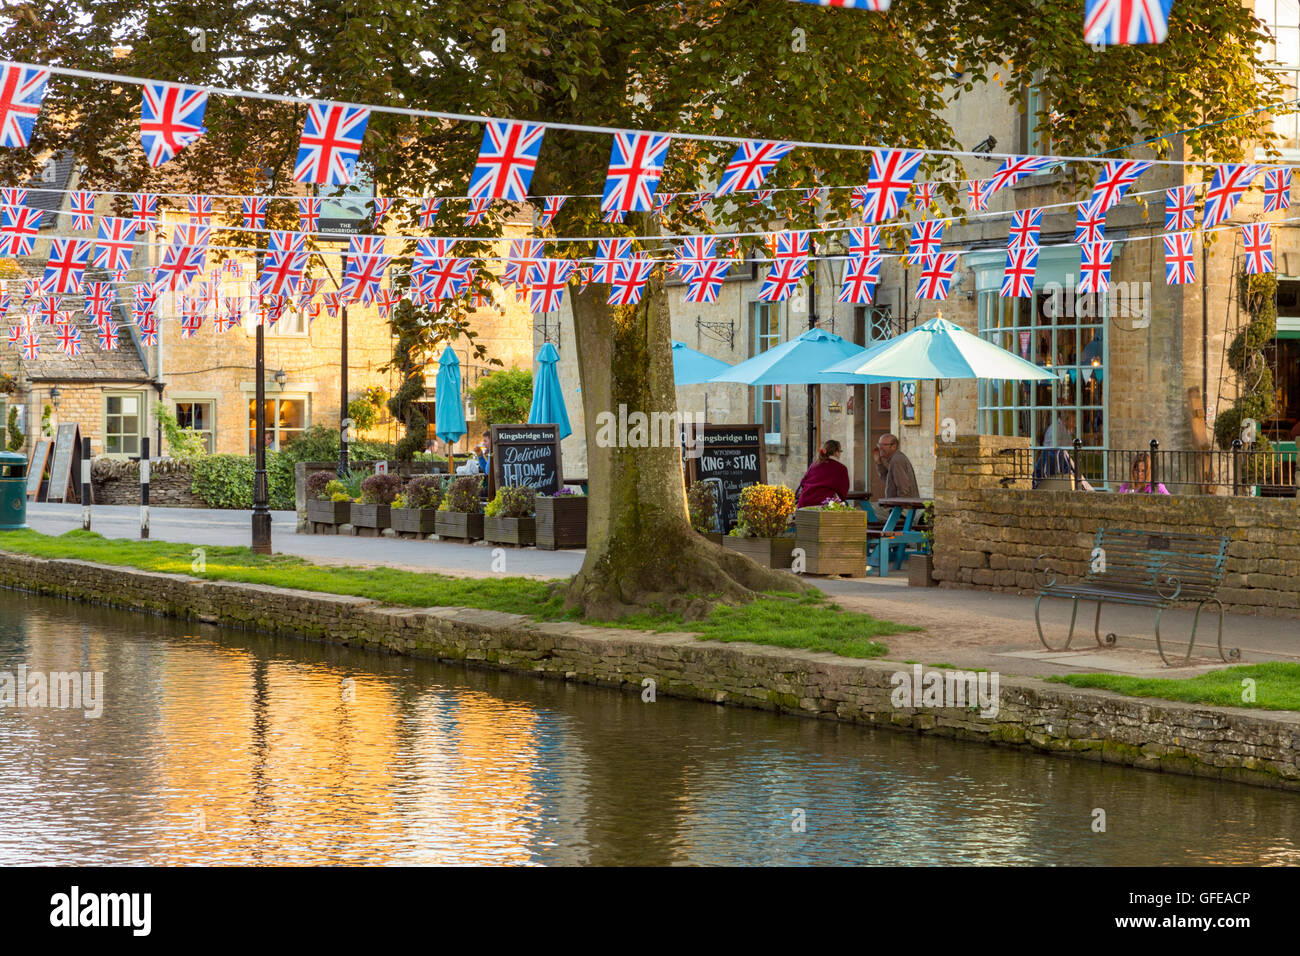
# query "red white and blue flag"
(184, 260)
(783, 277)
(478, 209)
(99, 299)
(365, 269)
(789, 245)
(48, 309)
(83, 209)
(171, 118)
(878, 6)
(1018, 274)
(446, 280)
(1116, 177)
(1089, 224)
(692, 254)
(69, 339)
(1025, 227)
(506, 160)
(927, 237)
(429, 207)
(546, 283)
(705, 283)
(888, 182)
(429, 251)
(200, 210)
(636, 161)
(254, 212)
(1094, 269)
(750, 164)
(108, 336)
(615, 216)
(1277, 190)
(1257, 241)
(1180, 208)
(31, 346)
(861, 274)
(936, 275)
(864, 240)
(811, 197)
(144, 210)
(331, 143)
(1016, 168)
(382, 205)
(285, 260)
(977, 194)
(629, 281)
(21, 90)
(922, 196)
(1230, 182)
(308, 214)
(13, 196)
(524, 253)
(550, 206)
(1180, 267)
(19, 227)
(609, 253)
(763, 195)
(66, 266)
(1122, 22)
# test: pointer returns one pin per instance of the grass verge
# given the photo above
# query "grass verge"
(1276, 686)
(810, 622)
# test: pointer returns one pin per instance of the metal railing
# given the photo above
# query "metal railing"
(1238, 471)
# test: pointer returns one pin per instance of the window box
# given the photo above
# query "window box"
(562, 522)
(458, 524)
(776, 553)
(834, 542)
(519, 531)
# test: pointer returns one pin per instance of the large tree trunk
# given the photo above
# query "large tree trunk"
(641, 549)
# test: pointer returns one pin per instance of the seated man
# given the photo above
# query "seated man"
(893, 466)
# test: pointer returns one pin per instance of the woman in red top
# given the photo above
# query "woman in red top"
(827, 478)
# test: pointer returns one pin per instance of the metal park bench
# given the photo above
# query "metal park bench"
(1146, 570)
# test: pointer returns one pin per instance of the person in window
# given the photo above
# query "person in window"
(825, 478)
(893, 466)
(1140, 477)
(1053, 461)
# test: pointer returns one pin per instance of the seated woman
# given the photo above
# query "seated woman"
(1140, 477)
(826, 478)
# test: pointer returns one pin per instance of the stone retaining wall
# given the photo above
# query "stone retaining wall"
(117, 482)
(990, 536)
(1260, 748)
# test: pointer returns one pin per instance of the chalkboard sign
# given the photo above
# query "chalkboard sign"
(734, 455)
(36, 470)
(65, 473)
(527, 455)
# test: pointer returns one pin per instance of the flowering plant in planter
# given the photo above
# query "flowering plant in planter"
(702, 507)
(462, 496)
(764, 511)
(318, 485)
(566, 491)
(416, 508)
(835, 504)
(380, 489)
(512, 501)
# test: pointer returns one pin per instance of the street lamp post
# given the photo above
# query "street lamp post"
(343, 387)
(261, 504)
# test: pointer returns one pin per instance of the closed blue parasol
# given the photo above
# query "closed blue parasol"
(694, 368)
(449, 409)
(548, 398)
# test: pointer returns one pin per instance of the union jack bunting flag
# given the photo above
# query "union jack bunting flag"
(331, 143)
(102, 321)
(83, 209)
(221, 322)
(19, 227)
(523, 254)
(480, 297)
(66, 266)
(864, 240)
(699, 201)
(922, 197)
(429, 251)
(108, 337)
(705, 283)
(762, 196)
(308, 289)
(550, 206)
(184, 259)
(4, 301)
(232, 311)
(31, 287)
(1016, 168)
(1025, 227)
(615, 216)
(148, 332)
(506, 160)
(1094, 270)
(1180, 267)
(609, 253)
(365, 269)
(191, 322)
(16, 333)
(629, 281)
(936, 275)
(382, 205)
(21, 90)
(429, 207)
(48, 309)
(254, 213)
(977, 194)
(662, 201)
(332, 303)
(1122, 22)
(888, 182)
(478, 209)
(1257, 240)
(312, 310)
(1018, 274)
(692, 254)
(69, 338)
(783, 277)
(1230, 181)
(13, 196)
(385, 302)
(1089, 224)
(171, 118)
(927, 237)
(811, 197)
(1180, 208)
(99, 298)
(546, 283)
(308, 214)
(861, 274)
(1116, 177)
(878, 6)
(1277, 190)
(144, 210)
(200, 210)
(750, 164)
(789, 245)
(31, 346)
(285, 260)
(636, 161)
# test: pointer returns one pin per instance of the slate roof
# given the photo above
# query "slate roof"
(63, 165)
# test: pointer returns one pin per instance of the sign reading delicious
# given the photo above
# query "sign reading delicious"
(527, 455)
(734, 455)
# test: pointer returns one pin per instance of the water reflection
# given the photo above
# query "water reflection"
(223, 747)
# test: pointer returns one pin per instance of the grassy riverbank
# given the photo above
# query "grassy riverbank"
(785, 620)
(1275, 685)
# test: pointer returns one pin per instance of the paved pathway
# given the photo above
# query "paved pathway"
(966, 628)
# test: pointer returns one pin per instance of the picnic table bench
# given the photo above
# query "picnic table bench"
(1144, 569)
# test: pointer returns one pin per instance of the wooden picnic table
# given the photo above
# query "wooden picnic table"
(896, 534)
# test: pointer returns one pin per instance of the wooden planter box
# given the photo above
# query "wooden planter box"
(328, 512)
(714, 536)
(562, 522)
(510, 530)
(414, 520)
(769, 552)
(458, 524)
(371, 516)
(920, 571)
(834, 542)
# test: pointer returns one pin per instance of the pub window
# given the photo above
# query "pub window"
(286, 419)
(123, 422)
(200, 416)
(765, 333)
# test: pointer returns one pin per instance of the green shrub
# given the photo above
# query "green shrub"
(340, 496)
(764, 511)
(504, 397)
(226, 481)
(702, 507)
(16, 436)
(363, 414)
(423, 491)
(380, 489)
(513, 501)
(463, 497)
(181, 442)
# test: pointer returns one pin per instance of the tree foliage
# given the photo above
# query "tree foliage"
(504, 397)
